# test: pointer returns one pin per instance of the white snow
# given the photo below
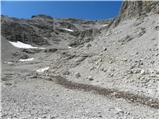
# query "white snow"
(41, 48)
(104, 25)
(19, 44)
(42, 70)
(26, 60)
(69, 47)
(10, 63)
(70, 30)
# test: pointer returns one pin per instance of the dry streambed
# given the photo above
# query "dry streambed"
(130, 97)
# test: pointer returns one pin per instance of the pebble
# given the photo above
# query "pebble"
(111, 74)
(130, 72)
(89, 45)
(66, 73)
(110, 62)
(90, 78)
(156, 54)
(104, 69)
(142, 78)
(78, 75)
(157, 72)
(92, 68)
(104, 49)
(142, 72)
(119, 110)
(124, 59)
(152, 62)
(153, 39)
(137, 53)
(8, 83)
(137, 71)
(156, 28)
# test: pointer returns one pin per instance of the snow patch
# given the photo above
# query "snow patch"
(42, 70)
(70, 30)
(69, 47)
(10, 63)
(104, 25)
(41, 48)
(26, 60)
(19, 44)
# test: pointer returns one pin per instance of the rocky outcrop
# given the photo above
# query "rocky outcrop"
(132, 9)
(27, 31)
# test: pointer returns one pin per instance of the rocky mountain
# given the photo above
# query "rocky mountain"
(71, 68)
(45, 30)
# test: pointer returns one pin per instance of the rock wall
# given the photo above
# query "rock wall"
(131, 9)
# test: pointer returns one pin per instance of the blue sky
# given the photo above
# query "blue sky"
(92, 10)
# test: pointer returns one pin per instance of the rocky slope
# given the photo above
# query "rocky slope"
(113, 75)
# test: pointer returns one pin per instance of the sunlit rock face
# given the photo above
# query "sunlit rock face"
(138, 8)
(135, 9)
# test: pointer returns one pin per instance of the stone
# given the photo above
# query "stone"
(125, 59)
(88, 45)
(157, 72)
(50, 50)
(92, 68)
(8, 83)
(114, 94)
(110, 62)
(142, 72)
(137, 71)
(66, 73)
(130, 72)
(137, 53)
(104, 49)
(153, 39)
(111, 74)
(157, 28)
(90, 78)
(152, 62)
(78, 75)
(119, 110)
(104, 69)
(133, 66)
(112, 69)
(156, 54)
